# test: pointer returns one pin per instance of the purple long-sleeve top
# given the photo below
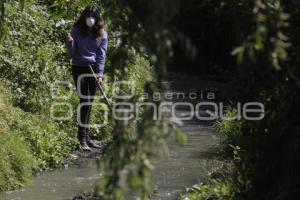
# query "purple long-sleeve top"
(87, 50)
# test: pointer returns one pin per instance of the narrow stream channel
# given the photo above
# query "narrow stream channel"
(184, 167)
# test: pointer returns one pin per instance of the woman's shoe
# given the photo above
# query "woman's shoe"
(82, 138)
(92, 144)
(84, 146)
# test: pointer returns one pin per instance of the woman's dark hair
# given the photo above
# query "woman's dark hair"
(90, 11)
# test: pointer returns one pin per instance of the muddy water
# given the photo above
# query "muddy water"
(188, 164)
(185, 165)
(58, 185)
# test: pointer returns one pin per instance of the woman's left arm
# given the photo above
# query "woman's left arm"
(101, 56)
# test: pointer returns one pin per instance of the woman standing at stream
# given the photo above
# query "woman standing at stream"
(87, 45)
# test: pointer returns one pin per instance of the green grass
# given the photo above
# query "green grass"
(16, 162)
(215, 190)
(229, 132)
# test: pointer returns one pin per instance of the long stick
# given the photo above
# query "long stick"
(101, 89)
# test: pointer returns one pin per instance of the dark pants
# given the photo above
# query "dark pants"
(86, 90)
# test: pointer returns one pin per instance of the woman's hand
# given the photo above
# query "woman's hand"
(69, 38)
(99, 79)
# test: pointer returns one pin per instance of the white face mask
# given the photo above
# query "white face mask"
(90, 21)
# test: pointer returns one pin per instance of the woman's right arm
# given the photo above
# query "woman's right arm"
(71, 43)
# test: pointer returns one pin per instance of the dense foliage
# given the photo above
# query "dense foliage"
(265, 46)
(271, 59)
